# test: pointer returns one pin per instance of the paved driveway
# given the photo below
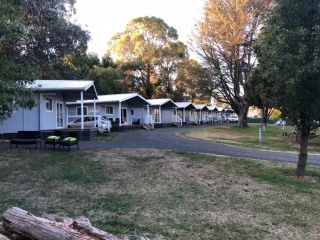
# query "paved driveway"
(167, 138)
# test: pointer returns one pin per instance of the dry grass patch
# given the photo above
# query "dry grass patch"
(248, 137)
(164, 195)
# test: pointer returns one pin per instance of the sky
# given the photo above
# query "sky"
(104, 18)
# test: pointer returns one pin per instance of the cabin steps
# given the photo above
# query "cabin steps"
(147, 127)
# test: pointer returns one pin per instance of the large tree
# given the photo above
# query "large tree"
(14, 73)
(289, 52)
(192, 82)
(148, 50)
(36, 39)
(259, 93)
(224, 40)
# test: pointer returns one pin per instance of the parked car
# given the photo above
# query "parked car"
(88, 122)
(233, 118)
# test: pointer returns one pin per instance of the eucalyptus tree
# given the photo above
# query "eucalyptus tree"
(147, 52)
(224, 40)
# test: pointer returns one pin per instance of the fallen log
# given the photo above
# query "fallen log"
(21, 222)
(2, 237)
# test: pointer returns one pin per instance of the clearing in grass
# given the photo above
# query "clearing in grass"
(165, 195)
(272, 137)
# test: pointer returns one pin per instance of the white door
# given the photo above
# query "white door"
(59, 115)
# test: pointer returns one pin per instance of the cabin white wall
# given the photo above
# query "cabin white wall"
(22, 119)
(167, 115)
(48, 119)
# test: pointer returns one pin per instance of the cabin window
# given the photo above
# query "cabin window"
(85, 111)
(191, 112)
(49, 104)
(132, 112)
(109, 110)
(156, 113)
(174, 111)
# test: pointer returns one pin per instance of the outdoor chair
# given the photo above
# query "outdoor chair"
(68, 142)
(52, 140)
(26, 138)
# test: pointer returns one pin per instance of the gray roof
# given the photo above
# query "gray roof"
(60, 85)
(161, 101)
(118, 97)
(200, 106)
(183, 104)
(212, 108)
(111, 98)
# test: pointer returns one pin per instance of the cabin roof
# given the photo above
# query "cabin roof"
(200, 106)
(162, 102)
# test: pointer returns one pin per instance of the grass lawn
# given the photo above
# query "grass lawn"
(248, 137)
(165, 195)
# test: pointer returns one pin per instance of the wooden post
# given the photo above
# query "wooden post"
(81, 103)
(148, 121)
(94, 113)
(67, 117)
(160, 121)
(120, 112)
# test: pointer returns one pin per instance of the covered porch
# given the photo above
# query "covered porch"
(121, 109)
(165, 111)
(187, 112)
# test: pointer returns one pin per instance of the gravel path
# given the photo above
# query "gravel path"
(167, 138)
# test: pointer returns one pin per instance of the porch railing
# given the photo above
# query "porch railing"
(74, 121)
(193, 118)
(172, 119)
(143, 120)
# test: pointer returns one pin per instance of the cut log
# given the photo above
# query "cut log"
(19, 221)
(2, 237)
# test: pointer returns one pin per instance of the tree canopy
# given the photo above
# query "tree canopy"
(37, 40)
(224, 40)
(148, 52)
(289, 52)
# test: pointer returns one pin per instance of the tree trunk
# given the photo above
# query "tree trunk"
(243, 115)
(303, 155)
(19, 221)
(265, 112)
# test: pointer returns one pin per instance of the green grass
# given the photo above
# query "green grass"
(272, 138)
(165, 195)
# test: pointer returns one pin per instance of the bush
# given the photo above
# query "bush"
(259, 120)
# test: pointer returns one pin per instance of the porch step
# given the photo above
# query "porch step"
(158, 125)
(146, 127)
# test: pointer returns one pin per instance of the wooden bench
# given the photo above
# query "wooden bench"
(26, 138)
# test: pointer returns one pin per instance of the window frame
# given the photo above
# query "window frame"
(46, 101)
(85, 112)
(109, 107)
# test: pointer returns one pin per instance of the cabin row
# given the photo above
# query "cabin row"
(62, 104)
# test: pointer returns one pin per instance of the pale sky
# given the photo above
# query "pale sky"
(104, 18)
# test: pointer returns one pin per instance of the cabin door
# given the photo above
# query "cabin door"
(124, 115)
(59, 115)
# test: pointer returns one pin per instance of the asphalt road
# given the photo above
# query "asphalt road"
(168, 138)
